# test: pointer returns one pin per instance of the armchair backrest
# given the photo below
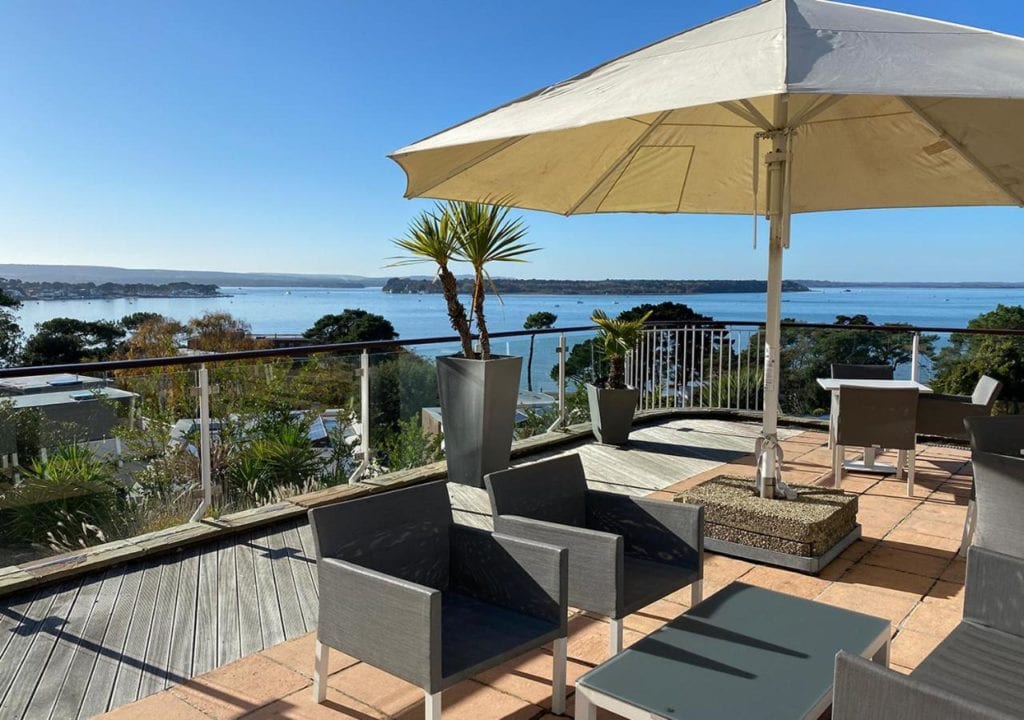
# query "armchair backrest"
(877, 416)
(403, 533)
(554, 490)
(849, 371)
(999, 491)
(1001, 434)
(986, 392)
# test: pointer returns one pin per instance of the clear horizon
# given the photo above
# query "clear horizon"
(252, 137)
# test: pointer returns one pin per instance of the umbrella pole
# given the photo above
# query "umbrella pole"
(768, 452)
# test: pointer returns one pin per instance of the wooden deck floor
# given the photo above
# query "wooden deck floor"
(95, 643)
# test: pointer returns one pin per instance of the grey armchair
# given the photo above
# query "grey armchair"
(848, 371)
(406, 590)
(997, 494)
(944, 415)
(624, 552)
(974, 674)
(877, 417)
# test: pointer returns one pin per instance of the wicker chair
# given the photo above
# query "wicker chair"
(406, 590)
(944, 415)
(997, 494)
(848, 371)
(876, 417)
(624, 552)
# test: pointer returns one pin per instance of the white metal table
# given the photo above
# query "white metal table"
(867, 464)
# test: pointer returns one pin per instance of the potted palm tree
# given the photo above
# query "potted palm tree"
(612, 403)
(478, 390)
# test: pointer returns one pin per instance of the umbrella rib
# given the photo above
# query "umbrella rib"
(459, 169)
(963, 151)
(751, 114)
(620, 164)
(817, 107)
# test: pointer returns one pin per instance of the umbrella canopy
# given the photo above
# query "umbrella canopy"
(856, 107)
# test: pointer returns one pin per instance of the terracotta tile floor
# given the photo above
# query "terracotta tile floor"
(905, 569)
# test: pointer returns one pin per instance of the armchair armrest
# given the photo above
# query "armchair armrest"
(666, 532)
(864, 690)
(994, 594)
(595, 559)
(390, 623)
(944, 415)
(529, 577)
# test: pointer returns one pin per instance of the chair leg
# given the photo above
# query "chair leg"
(432, 706)
(901, 463)
(696, 592)
(320, 672)
(969, 524)
(615, 636)
(911, 461)
(558, 672)
(838, 456)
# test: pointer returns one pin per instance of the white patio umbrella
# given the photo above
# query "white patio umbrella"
(847, 107)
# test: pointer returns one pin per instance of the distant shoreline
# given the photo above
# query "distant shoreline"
(937, 285)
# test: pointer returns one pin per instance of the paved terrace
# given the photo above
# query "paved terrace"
(156, 629)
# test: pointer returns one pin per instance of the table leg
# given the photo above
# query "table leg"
(585, 710)
(882, 656)
(832, 412)
(869, 458)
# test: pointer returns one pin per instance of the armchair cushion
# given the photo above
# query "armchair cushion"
(646, 581)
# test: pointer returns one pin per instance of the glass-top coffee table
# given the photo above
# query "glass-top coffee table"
(745, 652)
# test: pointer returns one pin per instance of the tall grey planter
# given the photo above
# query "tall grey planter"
(611, 413)
(478, 414)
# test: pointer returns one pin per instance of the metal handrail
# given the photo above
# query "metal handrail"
(198, 359)
(355, 347)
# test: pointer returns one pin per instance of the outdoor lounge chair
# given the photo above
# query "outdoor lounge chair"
(997, 494)
(848, 371)
(624, 552)
(944, 415)
(406, 590)
(877, 417)
(974, 673)
(977, 671)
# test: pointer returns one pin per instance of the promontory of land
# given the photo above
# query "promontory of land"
(597, 287)
(22, 290)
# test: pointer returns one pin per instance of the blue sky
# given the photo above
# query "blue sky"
(251, 136)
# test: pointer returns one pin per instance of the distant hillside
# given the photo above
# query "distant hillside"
(597, 287)
(128, 276)
(28, 290)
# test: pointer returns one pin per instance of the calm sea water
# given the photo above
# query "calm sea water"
(292, 310)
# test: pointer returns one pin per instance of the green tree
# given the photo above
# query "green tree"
(536, 321)
(967, 357)
(351, 325)
(10, 331)
(409, 446)
(618, 337)
(221, 332)
(132, 322)
(401, 385)
(69, 340)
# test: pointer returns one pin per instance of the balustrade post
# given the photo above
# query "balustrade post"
(205, 443)
(364, 418)
(915, 359)
(560, 422)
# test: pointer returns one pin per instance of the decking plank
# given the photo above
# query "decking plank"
(309, 552)
(68, 702)
(271, 622)
(134, 660)
(33, 666)
(23, 634)
(287, 595)
(204, 650)
(305, 587)
(250, 632)
(104, 672)
(228, 639)
(179, 656)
